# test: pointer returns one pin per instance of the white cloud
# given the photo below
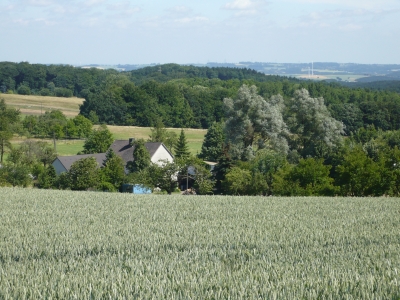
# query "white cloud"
(93, 2)
(240, 5)
(245, 7)
(123, 6)
(180, 9)
(192, 19)
(39, 2)
(350, 4)
(350, 27)
(343, 19)
(21, 21)
(45, 21)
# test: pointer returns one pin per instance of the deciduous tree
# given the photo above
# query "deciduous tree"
(83, 174)
(252, 122)
(8, 118)
(316, 131)
(98, 141)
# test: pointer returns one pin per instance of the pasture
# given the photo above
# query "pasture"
(86, 245)
(36, 105)
(194, 138)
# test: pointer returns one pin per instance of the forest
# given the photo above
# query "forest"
(192, 97)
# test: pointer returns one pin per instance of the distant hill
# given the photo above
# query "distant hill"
(164, 73)
(350, 72)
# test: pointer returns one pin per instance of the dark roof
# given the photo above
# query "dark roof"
(67, 161)
(121, 147)
(125, 150)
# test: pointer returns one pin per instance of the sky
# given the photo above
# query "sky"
(80, 32)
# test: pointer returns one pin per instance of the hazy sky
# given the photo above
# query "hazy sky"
(201, 31)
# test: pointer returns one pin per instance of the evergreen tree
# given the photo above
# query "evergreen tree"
(211, 149)
(109, 155)
(181, 147)
(225, 163)
(141, 157)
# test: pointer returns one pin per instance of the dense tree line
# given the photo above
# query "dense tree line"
(188, 96)
(54, 124)
(378, 84)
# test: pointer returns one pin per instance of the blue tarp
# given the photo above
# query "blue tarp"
(135, 189)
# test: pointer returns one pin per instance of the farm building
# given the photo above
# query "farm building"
(158, 151)
(122, 148)
(64, 163)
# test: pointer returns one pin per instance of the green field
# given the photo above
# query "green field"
(86, 245)
(194, 138)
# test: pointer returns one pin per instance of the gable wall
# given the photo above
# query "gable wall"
(59, 167)
(161, 153)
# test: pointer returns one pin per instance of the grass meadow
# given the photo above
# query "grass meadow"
(86, 245)
(194, 138)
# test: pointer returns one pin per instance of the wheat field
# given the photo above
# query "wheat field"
(36, 105)
(86, 245)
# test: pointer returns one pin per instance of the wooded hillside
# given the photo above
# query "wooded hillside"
(188, 96)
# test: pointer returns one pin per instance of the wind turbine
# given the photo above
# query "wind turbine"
(312, 69)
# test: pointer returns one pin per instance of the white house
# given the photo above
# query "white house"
(122, 148)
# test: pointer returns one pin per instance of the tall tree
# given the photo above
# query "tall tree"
(252, 122)
(181, 146)
(316, 131)
(213, 143)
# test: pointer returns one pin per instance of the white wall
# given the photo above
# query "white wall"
(163, 154)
